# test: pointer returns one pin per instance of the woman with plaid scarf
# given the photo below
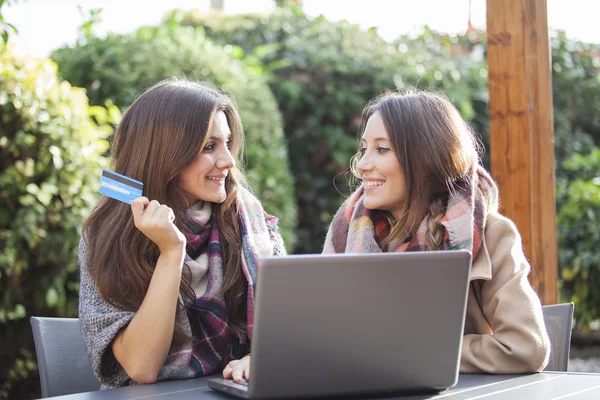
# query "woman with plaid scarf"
(167, 284)
(423, 189)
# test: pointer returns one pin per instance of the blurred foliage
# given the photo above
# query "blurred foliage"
(578, 89)
(576, 92)
(51, 155)
(119, 67)
(6, 28)
(578, 197)
(322, 73)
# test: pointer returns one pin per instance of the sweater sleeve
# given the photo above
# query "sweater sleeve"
(519, 342)
(100, 323)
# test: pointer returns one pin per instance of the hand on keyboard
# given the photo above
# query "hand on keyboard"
(238, 370)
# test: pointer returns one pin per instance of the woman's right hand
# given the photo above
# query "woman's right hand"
(155, 220)
(238, 370)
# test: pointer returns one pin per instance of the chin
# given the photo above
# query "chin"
(370, 205)
(215, 198)
(219, 199)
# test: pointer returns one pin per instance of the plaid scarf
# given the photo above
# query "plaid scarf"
(356, 229)
(215, 342)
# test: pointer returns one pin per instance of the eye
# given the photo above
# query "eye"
(382, 150)
(362, 151)
(209, 147)
(228, 144)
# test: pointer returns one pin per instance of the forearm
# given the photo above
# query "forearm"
(519, 343)
(142, 347)
(484, 353)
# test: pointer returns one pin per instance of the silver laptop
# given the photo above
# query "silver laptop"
(356, 325)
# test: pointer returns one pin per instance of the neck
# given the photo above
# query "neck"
(400, 212)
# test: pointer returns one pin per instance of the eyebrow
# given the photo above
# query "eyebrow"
(379, 139)
(217, 138)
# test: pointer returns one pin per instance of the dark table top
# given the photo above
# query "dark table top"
(545, 385)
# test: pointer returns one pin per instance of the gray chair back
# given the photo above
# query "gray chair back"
(63, 361)
(559, 323)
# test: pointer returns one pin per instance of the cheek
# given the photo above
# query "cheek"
(197, 170)
(187, 178)
(184, 176)
(395, 191)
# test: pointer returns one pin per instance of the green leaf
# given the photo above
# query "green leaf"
(51, 297)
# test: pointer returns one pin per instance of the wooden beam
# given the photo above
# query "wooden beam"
(522, 132)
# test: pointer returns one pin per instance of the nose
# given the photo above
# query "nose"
(364, 164)
(226, 160)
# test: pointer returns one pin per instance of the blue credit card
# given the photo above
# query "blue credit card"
(120, 187)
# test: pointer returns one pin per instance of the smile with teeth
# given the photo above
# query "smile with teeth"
(369, 184)
(216, 178)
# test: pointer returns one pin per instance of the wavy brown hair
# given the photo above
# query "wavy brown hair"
(160, 134)
(436, 149)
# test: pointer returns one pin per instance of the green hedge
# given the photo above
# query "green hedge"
(119, 67)
(50, 164)
(578, 196)
(576, 96)
(576, 92)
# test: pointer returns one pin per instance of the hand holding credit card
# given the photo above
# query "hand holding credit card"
(120, 187)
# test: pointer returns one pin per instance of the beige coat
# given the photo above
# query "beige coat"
(504, 326)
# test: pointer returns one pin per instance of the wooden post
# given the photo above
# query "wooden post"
(522, 130)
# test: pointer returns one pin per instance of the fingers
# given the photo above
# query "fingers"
(227, 371)
(164, 214)
(151, 209)
(137, 208)
(167, 214)
(144, 211)
(238, 373)
(247, 372)
(237, 370)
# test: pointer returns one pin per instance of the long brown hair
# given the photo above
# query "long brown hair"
(436, 149)
(160, 134)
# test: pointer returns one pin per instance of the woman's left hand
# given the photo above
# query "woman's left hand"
(238, 370)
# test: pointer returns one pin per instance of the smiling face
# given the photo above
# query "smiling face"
(380, 170)
(204, 178)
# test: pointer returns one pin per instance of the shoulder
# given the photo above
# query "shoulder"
(498, 227)
(503, 244)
